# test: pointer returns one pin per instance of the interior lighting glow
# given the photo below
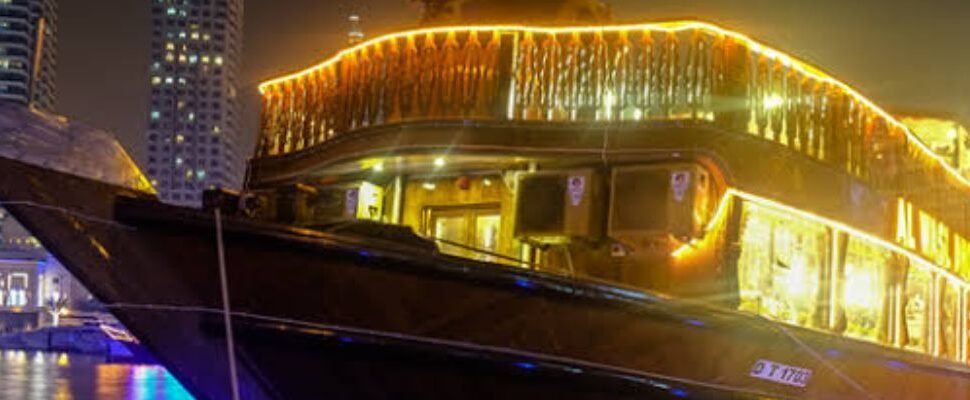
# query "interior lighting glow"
(439, 162)
(773, 101)
(379, 167)
(428, 186)
(918, 260)
(671, 26)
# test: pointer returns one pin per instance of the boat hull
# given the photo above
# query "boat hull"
(295, 293)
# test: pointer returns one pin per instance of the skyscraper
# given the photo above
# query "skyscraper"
(355, 34)
(28, 57)
(193, 117)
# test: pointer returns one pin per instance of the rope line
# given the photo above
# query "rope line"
(226, 311)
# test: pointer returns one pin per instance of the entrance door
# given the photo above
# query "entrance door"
(463, 230)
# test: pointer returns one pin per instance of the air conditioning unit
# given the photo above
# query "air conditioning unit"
(552, 206)
(358, 200)
(660, 199)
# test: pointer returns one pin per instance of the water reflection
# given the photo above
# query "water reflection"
(61, 376)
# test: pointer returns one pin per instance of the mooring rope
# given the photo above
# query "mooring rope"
(226, 310)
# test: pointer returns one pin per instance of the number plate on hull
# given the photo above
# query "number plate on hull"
(781, 373)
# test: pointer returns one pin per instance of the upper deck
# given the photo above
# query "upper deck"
(588, 82)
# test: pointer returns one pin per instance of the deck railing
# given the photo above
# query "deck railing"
(689, 72)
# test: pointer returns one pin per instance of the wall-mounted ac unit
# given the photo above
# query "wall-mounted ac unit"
(556, 205)
(358, 200)
(659, 199)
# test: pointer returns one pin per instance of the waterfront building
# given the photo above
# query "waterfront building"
(193, 128)
(34, 286)
(28, 52)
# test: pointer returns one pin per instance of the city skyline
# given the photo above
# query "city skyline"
(900, 65)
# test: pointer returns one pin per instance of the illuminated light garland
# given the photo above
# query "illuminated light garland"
(672, 26)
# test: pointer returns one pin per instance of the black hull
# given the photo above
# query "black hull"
(322, 315)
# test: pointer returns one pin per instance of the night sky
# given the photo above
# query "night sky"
(903, 54)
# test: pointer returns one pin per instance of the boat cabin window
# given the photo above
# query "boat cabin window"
(919, 286)
(471, 227)
(780, 267)
(949, 329)
(865, 303)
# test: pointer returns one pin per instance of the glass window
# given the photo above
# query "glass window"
(780, 266)
(473, 227)
(948, 320)
(916, 308)
(865, 284)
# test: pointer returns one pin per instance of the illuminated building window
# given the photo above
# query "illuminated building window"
(193, 59)
(170, 46)
(172, 11)
(156, 115)
(169, 57)
(179, 138)
(156, 80)
(218, 60)
(169, 80)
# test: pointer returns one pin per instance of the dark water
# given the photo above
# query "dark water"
(36, 375)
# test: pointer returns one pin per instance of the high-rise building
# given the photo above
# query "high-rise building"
(193, 117)
(28, 56)
(355, 34)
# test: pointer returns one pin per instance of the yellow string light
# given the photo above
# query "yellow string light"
(672, 26)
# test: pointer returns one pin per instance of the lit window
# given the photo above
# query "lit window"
(191, 116)
(780, 266)
(156, 115)
(218, 60)
(195, 35)
(169, 57)
(216, 129)
(864, 282)
(206, 37)
(193, 59)
(170, 46)
(172, 11)
(182, 58)
(182, 35)
(156, 80)
(200, 174)
(178, 161)
(916, 308)
(168, 80)
(179, 138)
